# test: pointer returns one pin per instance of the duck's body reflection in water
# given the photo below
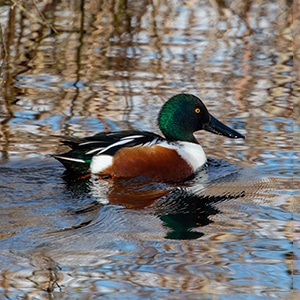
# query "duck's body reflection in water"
(183, 209)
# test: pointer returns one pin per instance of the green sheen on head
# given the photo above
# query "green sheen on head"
(181, 116)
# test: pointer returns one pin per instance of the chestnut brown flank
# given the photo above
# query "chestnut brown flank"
(152, 161)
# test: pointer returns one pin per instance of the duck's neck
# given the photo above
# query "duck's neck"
(174, 132)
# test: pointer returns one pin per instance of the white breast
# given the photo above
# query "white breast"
(190, 152)
(193, 153)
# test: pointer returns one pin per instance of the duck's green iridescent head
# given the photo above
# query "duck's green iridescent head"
(184, 114)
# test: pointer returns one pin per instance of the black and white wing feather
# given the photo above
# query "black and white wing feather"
(79, 158)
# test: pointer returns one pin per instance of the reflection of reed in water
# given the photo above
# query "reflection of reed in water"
(66, 67)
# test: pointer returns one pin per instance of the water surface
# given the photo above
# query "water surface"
(81, 67)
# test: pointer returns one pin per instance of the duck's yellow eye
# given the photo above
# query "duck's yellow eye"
(197, 110)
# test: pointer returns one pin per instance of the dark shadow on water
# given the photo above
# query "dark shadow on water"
(191, 212)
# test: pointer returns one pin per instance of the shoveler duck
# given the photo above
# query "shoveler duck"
(133, 153)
